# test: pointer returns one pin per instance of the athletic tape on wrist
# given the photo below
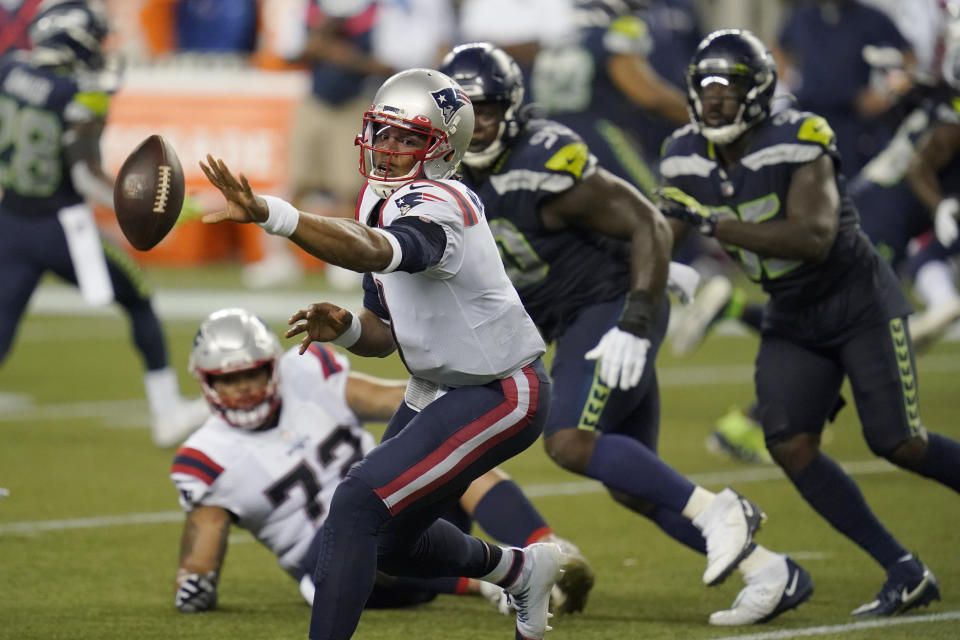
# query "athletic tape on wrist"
(282, 219)
(349, 337)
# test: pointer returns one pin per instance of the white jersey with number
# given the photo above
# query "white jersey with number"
(278, 483)
(460, 321)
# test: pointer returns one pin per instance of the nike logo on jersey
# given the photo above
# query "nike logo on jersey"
(792, 587)
(420, 186)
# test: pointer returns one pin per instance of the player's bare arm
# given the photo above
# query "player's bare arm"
(934, 150)
(626, 215)
(637, 80)
(324, 322)
(203, 546)
(810, 226)
(203, 543)
(373, 398)
(345, 243)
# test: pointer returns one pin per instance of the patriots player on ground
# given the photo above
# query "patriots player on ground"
(285, 429)
(589, 256)
(769, 189)
(53, 106)
(435, 292)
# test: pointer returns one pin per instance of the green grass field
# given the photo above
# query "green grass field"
(89, 533)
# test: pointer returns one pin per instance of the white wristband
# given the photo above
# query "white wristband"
(283, 217)
(349, 337)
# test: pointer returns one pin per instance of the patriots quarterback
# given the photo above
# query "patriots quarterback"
(436, 293)
(768, 187)
(53, 106)
(589, 256)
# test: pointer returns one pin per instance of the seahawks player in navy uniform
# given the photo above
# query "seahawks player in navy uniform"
(892, 215)
(53, 105)
(589, 257)
(769, 189)
(599, 83)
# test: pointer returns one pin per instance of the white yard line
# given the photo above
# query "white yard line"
(808, 632)
(544, 490)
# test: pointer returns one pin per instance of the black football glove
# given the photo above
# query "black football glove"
(197, 593)
(674, 203)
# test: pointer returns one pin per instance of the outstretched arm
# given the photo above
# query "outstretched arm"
(372, 398)
(203, 546)
(345, 243)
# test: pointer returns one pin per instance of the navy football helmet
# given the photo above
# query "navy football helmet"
(732, 57)
(69, 32)
(488, 74)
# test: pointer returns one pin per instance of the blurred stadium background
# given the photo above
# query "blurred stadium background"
(90, 527)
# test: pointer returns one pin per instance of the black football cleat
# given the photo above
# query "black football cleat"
(909, 584)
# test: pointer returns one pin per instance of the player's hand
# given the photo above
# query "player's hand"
(197, 593)
(321, 321)
(682, 282)
(674, 203)
(621, 356)
(945, 221)
(243, 205)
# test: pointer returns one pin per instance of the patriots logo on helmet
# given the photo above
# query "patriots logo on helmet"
(450, 100)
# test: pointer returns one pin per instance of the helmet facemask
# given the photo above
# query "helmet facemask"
(249, 411)
(378, 162)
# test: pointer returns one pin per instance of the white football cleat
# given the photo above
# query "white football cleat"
(703, 312)
(930, 325)
(778, 586)
(172, 427)
(574, 585)
(727, 524)
(530, 594)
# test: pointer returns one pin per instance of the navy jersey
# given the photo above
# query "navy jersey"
(755, 190)
(572, 85)
(37, 105)
(557, 273)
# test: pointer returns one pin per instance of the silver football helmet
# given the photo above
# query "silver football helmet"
(232, 340)
(426, 103)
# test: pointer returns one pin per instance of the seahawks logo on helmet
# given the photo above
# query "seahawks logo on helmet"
(450, 100)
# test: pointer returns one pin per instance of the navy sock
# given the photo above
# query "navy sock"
(506, 515)
(836, 497)
(679, 528)
(942, 462)
(628, 466)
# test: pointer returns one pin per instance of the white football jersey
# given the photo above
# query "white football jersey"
(279, 482)
(460, 321)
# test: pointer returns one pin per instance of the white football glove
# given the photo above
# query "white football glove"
(621, 356)
(682, 282)
(945, 221)
(197, 593)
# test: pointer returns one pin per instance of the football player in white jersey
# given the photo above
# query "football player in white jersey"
(273, 471)
(436, 292)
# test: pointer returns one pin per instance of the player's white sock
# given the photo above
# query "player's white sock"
(757, 559)
(163, 391)
(699, 500)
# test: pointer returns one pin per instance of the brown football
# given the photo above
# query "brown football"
(148, 193)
